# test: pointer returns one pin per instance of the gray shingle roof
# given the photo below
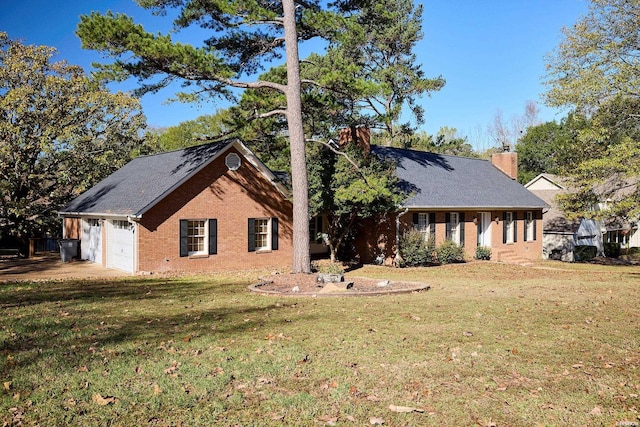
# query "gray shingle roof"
(144, 181)
(440, 181)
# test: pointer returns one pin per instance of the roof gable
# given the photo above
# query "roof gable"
(438, 181)
(140, 184)
(546, 181)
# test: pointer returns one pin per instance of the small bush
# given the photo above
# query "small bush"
(483, 253)
(612, 250)
(449, 252)
(415, 251)
(584, 253)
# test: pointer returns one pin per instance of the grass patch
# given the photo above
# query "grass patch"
(489, 343)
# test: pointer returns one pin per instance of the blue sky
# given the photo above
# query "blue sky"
(490, 52)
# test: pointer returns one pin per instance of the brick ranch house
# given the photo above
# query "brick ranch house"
(217, 207)
(473, 202)
(204, 208)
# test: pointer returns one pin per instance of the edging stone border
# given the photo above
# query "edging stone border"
(382, 291)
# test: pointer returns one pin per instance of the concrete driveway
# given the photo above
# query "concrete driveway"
(50, 267)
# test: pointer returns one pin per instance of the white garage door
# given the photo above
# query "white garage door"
(91, 240)
(120, 246)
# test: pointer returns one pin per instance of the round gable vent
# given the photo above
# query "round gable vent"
(232, 161)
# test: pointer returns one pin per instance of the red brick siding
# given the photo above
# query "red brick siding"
(229, 196)
(378, 236)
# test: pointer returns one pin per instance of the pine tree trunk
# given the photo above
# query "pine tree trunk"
(301, 249)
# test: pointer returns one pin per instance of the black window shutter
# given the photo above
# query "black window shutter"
(415, 219)
(432, 225)
(535, 224)
(274, 234)
(213, 236)
(252, 235)
(515, 227)
(462, 229)
(447, 220)
(504, 227)
(184, 237)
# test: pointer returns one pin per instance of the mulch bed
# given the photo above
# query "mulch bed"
(307, 285)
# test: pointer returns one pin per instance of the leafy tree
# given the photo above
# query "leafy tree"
(191, 132)
(595, 72)
(603, 165)
(372, 69)
(548, 148)
(446, 141)
(60, 133)
(597, 59)
(347, 185)
(243, 34)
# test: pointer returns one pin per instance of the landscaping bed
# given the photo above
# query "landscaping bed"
(308, 284)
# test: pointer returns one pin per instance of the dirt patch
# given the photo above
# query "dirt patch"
(308, 285)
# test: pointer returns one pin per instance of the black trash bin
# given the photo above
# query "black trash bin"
(68, 249)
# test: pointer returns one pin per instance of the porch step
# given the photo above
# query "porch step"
(510, 257)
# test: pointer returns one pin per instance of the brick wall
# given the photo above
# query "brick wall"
(378, 236)
(231, 197)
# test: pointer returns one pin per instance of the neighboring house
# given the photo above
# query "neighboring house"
(204, 208)
(472, 202)
(561, 236)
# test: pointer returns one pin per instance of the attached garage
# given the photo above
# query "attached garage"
(120, 245)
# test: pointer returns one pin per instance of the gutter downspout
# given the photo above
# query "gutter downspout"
(397, 255)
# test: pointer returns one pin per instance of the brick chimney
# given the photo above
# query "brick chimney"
(360, 134)
(507, 162)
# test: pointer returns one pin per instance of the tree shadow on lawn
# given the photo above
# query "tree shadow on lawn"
(22, 294)
(71, 330)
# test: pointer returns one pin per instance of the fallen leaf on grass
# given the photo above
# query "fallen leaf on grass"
(375, 421)
(596, 411)
(328, 420)
(395, 408)
(7, 385)
(104, 401)
(172, 369)
(156, 389)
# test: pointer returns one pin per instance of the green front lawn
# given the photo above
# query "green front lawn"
(489, 344)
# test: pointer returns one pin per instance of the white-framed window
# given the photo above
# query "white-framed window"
(529, 227)
(509, 227)
(454, 227)
(263, 234)
(423, 222)
(119, 224)
(197, 236)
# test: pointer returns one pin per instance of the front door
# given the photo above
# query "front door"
(484, 229)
